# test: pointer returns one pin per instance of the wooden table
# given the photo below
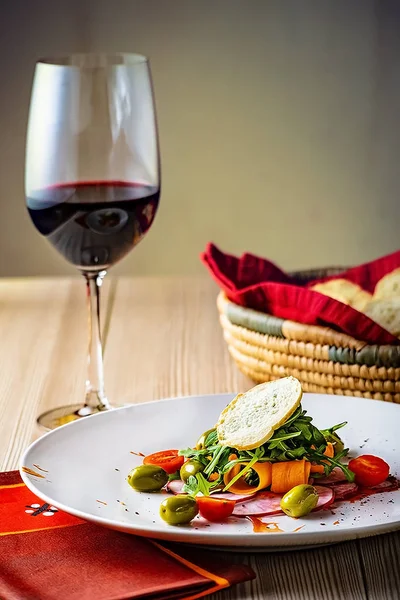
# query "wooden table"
(162, 338)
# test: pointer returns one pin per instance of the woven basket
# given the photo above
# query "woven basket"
(265, 347)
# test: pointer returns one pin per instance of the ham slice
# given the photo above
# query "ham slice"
(325, 497)
(266, 503)
(344, 490)
(347, 490)
(391, 484)
(335, 476)
(386, 486)
(230, 496)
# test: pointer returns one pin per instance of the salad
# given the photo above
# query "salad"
(264, 456)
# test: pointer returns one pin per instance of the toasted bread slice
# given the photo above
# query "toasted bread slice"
(385, 312)
(345, 291)
(388, 286)
(251, 418)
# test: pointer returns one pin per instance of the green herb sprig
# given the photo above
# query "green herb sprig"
(298, 438)
(198, 484)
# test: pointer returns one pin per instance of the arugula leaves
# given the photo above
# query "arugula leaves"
(296, 439)
(241, 473)
(198, 484)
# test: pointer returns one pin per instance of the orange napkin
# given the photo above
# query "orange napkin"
(46, 554)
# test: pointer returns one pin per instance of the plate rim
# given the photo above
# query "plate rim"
(209, 538)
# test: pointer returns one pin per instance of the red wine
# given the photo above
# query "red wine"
(94, 224)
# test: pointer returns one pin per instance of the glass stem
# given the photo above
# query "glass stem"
(96, 399)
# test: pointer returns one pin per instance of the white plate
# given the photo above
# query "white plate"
(87, 462)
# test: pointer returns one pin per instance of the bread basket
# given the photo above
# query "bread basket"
(266, 347)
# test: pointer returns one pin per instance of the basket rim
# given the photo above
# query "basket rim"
(342, 347)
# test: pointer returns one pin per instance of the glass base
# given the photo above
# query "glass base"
(64, 414)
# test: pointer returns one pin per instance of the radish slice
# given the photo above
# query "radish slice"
(176, 487)
(344, 490)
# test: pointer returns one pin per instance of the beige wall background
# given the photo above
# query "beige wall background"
(279, 125)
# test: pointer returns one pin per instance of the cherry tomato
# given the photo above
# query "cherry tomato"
(369, 470)
(169, 460)
(215, 509)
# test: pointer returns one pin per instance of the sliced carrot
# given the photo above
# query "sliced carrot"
(263, 470)
(330, 453)
(213, 477)
(288, 474)
(233, 471)
(317, 468)
(330, 450)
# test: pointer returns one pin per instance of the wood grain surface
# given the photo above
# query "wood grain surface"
(162, 338)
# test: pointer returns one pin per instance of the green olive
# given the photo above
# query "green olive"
(178, 510)
(201, 442)
(147, 478)
(299, 501)
(190, 467)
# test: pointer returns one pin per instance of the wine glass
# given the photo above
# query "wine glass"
(92, 177)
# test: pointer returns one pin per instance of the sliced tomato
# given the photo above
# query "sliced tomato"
(215, 509)
(169, 460)
(369, 470)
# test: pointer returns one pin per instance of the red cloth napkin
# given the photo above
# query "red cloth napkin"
(259, 284)
(46, 554)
